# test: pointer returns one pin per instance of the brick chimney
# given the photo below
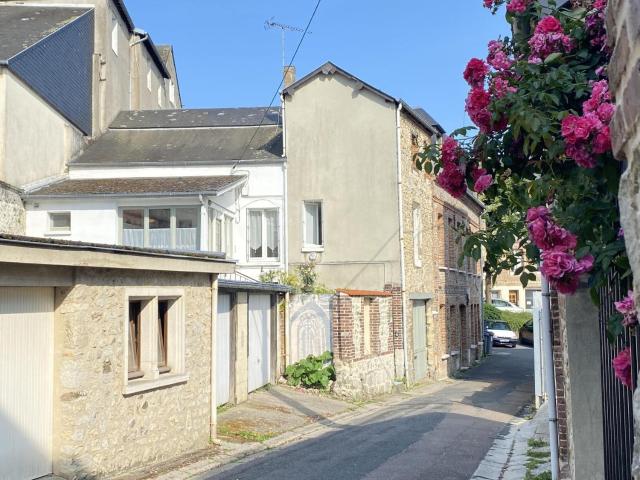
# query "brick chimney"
(289, 75)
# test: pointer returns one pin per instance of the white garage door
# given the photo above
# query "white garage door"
(223, 349)
(259, 340)
(26, 377)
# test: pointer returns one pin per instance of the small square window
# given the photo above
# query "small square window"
(60, 221)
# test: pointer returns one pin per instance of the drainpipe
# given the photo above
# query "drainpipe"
(285, 201)
(403, 292)
(214, 317)
(547, 335)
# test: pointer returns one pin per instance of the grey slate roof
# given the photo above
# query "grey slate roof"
(138, 186)
(211, 117)
(429, 119)
(183, 146)
(21, 26)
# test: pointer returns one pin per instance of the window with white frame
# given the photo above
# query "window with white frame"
(160, 95)
(264, 239)
(114, 34)
(312, 224)
(221, 233)
(155, 337)
(417, 235)
(60, 222)
(228, 235)
(161, 227)
(149, 78)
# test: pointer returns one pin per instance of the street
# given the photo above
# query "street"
(441, 435)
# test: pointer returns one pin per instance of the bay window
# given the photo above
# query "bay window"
(264, 235)
(161, 227)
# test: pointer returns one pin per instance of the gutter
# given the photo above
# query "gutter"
(285, 181)
(403, 279)
(213, 425)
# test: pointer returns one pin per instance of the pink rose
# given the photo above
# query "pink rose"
(622, 367)
(476, 72)
(567, 285)
(602, 142)
(450, 150)
(537, 212)
(627, 307)
(549, 24)
(482, 183)
(518, 6)
(451, 178)
(556, 264)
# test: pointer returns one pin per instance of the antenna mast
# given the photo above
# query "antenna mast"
(271, 24)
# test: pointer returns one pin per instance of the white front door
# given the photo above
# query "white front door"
(223, 349)
(26, 382)
(259, 340)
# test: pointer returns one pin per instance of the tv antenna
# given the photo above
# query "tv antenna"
(271, 24)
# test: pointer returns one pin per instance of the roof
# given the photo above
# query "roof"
(421, 112)
(330, 68)
(210, 117)
(155, 54)
(238, 281)
(174, 186)
(186, 146)
(21, 250)
(21, 26)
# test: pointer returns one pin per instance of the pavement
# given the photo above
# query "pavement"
(522, 450)
(439, 431)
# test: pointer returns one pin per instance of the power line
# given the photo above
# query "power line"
(275, 95)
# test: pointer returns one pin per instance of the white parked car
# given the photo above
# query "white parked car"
(506, 306)
(502, 334)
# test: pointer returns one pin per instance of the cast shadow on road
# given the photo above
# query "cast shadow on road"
(429, 445)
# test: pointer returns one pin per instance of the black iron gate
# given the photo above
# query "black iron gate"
(617, 400)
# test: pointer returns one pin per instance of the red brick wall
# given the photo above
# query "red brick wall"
(558, 366)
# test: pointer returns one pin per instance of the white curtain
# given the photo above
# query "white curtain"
(187, 238)
(255, 233)
(272, 232)
(160, 238)
(133, 237)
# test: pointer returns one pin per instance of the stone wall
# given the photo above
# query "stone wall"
(12, 213)
(623, 29)
(363, 344)
(99, 431)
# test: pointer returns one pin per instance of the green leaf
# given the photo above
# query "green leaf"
(551, 58)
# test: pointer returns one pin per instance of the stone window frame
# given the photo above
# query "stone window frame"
(153, 378)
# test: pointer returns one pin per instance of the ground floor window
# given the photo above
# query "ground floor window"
(514, 297)
(155, 337)
(163, 227)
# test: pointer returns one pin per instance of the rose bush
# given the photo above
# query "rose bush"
(540, 149)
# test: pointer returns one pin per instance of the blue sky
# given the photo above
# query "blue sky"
(413, 49)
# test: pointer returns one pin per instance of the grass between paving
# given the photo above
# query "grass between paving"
(246, 435)
(535, 458)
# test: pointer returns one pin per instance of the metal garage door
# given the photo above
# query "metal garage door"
(223, 349)
(26, 382)
(259, 340)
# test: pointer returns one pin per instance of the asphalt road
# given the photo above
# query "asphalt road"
(433, 435)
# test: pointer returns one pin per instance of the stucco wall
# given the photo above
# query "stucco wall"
(12, 214)
(37, 140)
(341, 150)
(99, 431)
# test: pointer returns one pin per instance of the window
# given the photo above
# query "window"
(172, 92)
(495, 294)
(160, 95)
(133, 367)
(264, 240)
(312, 224)
(228, 230)
(114, 34)
(166, 228)
(60, 222)
(163, 327)
(513, 297)
(149, 80)
(532, 299)
(417, 236)
(155, 337)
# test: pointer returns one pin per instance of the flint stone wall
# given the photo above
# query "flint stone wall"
(12, 213)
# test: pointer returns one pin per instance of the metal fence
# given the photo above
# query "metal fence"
(617, 400)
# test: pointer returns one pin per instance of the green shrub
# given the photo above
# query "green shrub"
(303, 279)
(312, 372)
(515, 320)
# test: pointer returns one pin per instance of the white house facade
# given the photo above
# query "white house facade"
(193, 180)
